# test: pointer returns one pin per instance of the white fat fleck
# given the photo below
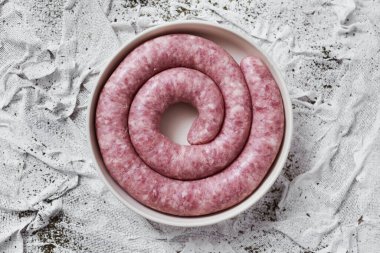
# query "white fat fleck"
(236, 109)
(180, 77)
(211, 106)
(272, 141)
(226, 81)
(195, 47)
(237, 92)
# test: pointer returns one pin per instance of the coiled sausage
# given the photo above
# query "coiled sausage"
(235, 138)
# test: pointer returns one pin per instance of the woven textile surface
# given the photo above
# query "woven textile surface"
(327, 198)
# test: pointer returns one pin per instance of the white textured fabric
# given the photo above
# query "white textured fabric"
(327, 198)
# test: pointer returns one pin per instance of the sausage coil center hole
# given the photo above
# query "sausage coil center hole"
(176, 122)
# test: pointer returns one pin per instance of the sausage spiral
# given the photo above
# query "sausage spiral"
(234, 140)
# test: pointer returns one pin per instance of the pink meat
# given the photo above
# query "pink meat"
(227, 165)
(191, 52)
(155, 149)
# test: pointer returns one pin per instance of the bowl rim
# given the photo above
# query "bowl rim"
(233, 211)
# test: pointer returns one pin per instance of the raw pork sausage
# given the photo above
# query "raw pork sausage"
(235, 138)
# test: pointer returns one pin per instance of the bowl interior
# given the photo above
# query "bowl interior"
(238, 46)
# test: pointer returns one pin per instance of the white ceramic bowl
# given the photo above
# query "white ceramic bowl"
(238, 45)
